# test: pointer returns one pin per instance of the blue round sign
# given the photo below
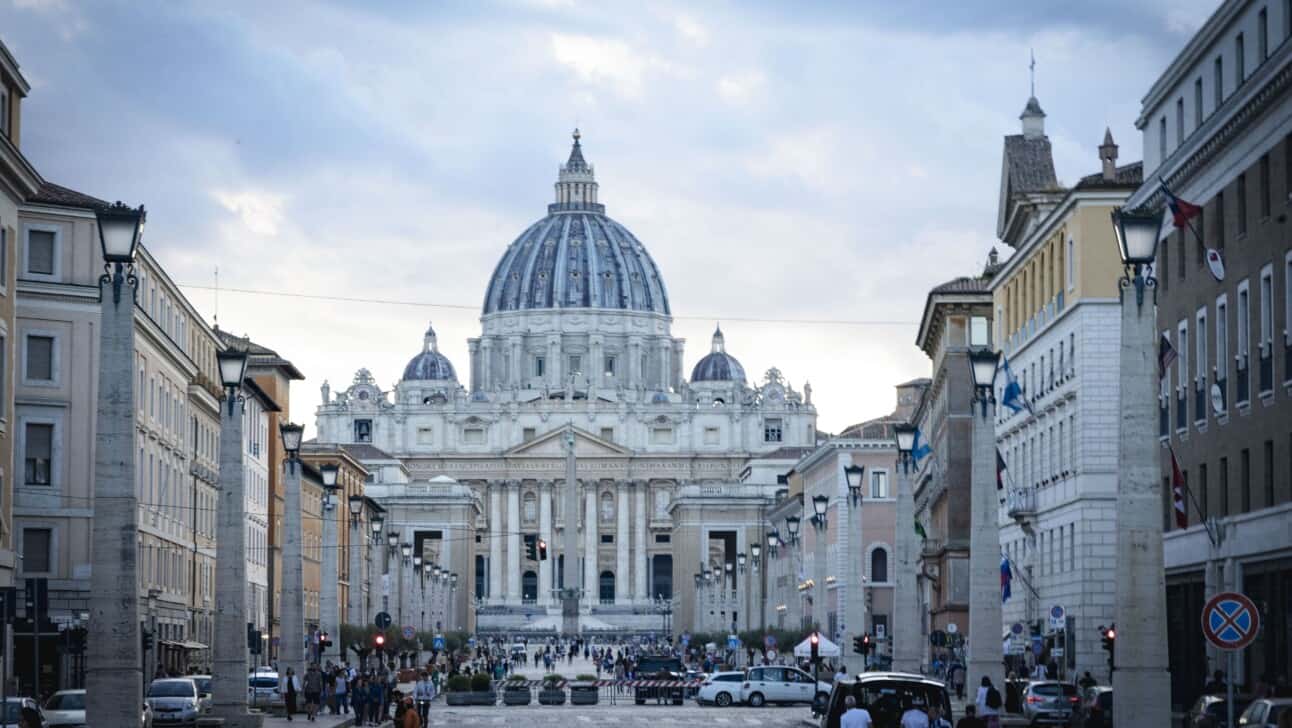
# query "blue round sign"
(1230, 621)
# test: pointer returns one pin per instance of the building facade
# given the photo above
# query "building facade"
(1056, 320)
(1217, 128)
(576, 331)
(957, 318)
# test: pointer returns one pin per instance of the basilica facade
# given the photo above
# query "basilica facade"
(673, 472)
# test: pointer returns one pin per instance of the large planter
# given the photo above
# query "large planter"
(458, 698)
(583, 694)
(483, 698)
(551, 696)
(516, 695)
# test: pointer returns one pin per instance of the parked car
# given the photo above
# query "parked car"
(203, 690)
(1211, 711)
(174, 701)
(65, 708)
(1049, 701)
(659, 667)
(1265, 713)
(721, 688)
(885, 695)
(779, 684)
(1095, 709)
(262, 690)
(13, 710)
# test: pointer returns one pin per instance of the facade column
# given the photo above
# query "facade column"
(486, 364)
(555, 367)
(473, 349)
(545, 533)
(513, 542)
(495, 542)
(664, 380)
(622, 574)
(640, 558)
(329, 583)
(590, 542)
(291, 608)
(636, 373)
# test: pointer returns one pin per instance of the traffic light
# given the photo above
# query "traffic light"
(379, 642)
(542, 550)
(1108, 635)
(531, 547)
(814, 641)
(325, 640)
(865, 644)
(859, 645)
(146, 640)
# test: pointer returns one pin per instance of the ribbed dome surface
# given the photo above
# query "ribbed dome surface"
(576, 259)
(718, 367)
(429, 365)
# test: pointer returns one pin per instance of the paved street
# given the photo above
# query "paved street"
(656, 716)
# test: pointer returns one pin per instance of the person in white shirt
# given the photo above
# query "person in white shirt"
(854, 717)
(423, 693)
(842, 674)
(915, 717)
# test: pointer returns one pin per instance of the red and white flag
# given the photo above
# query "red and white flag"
(1177, 494)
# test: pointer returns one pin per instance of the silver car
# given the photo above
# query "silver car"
(66, 709)
(1049, 701)
(13, 711)
(175, 701)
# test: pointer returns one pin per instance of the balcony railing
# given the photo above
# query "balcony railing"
(1181, 411)
(1223, 384)
(1200, 401)
(1244, 385)
(1021, 503)
(1267, 369)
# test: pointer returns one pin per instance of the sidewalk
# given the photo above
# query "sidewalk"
(323, 721)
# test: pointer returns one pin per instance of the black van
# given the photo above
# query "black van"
(886, 695)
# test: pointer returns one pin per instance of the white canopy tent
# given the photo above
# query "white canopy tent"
(826, 648)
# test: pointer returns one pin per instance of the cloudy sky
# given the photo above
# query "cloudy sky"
(790, 163)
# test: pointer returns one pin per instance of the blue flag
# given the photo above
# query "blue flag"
(1013, 397)
(1006, 576)
(920, 448)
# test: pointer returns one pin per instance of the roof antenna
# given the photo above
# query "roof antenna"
(217, 297)
(1031, 67)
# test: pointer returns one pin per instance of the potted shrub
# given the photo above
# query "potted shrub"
(515, 691)
(552, 693)
(457, 690)
(482, 690)
(583, 691)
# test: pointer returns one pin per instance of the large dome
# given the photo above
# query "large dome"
(430, 365)
(576, 257)
(718, 365)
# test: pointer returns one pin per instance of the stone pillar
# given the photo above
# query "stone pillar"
(555, 367)
(356, 613)
(641, 558)
(590, 542)
(986, 655)
(486, 363)
(664, 379)
(622, 574)
(291, 605)
(114, 677)
(545, 533)
(1141, 683)
(513, 542)
(229, 652)
(906, 612)
(329, 583)
(637, 376)
(495, 542)
(851, 565)
(473, 349)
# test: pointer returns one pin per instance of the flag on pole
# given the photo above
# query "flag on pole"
(1165, 356)
(920, 448)
(1013, 396)
(1006, 576)
(1181, 212)
(1000, 470)
(919, 530)
(1177, 494)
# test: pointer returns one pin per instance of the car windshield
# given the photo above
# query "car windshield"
(649, 665)
(264, 682)
(1052, 690)
(66, 701)
(171, 689)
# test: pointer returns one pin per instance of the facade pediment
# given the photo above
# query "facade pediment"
(551, 444)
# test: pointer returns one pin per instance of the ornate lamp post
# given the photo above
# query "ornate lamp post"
(986, 655)
(854, 475)
(906, 617)
(115, 654)
(291, 607)
(792, 528)
(1141, 683)
(819, 505)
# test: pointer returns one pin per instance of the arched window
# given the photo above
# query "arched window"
(879, 565)
(607, 587)
(529, 587)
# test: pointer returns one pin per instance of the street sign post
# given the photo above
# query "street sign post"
(952, 627)
(437, 643)
(1058, 616)
(382, 620)
(408, 632)
(1230, 621)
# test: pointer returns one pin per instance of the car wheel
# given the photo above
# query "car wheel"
(756, 700)
(722, 700)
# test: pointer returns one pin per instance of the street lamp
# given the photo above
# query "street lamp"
(356, 509)
(986, 656)
(406, 550)
(741, 560)
(820, 503)
(1138, 233)
(392, 541)
(115, 659)
(906, 622)
(983, 365)
(905, 433)
(233, 369)
(1140, 673)
(792, 528)
(853, 474)
(755, 551)
(291, 434)
(329, 473)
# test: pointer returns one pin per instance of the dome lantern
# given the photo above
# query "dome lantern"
(718, 365)
(430, 365)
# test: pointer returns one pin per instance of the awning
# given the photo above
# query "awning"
(186, 645)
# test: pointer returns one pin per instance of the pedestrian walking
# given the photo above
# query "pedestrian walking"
(423, 693)
(313, 691)
(360, 701)
(376, 700)
(289, 686)
(988, 703)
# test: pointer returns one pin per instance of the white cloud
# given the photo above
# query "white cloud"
(691, 29)
(740, 88)
(260, 212)
(609, 63)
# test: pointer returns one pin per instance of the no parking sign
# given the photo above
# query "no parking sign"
(1230, 621)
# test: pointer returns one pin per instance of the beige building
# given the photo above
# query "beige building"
(18, 181)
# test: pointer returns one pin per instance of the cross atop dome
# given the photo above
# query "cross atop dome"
(576, 183)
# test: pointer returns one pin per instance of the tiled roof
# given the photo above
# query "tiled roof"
(785, 452)
(1030, 164)
(1127, 175)
(52, 194)
(365, 451)
(260, 356)
(963, 284)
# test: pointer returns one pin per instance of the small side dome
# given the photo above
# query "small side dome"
(430, 365)
(718, 365)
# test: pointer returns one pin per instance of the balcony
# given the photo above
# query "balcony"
(1266, 369)
(1021, 504)
(1244, 385)
(1200, 401)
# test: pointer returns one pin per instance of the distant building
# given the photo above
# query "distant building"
(1217, 128)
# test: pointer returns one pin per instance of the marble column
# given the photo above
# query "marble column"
(664, 379)
(545, 533)
(622, 574)
(513, 542)
(640, 557)
(495, 542)
(590, 542)
(486, 364)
